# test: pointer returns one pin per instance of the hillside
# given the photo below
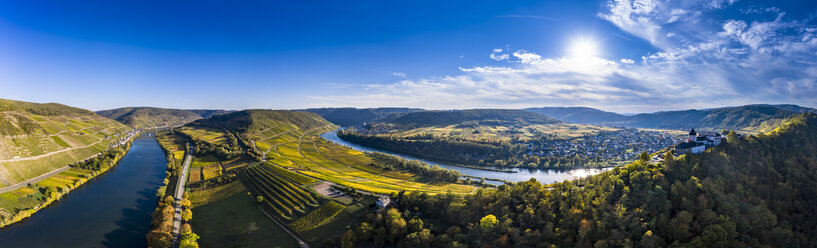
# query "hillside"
(205, 113)
(39, 138)
(257, 120)
(582, 115)
(752, 191)
(450, 117)
(747, 119)
(355, 116)
(148, 117)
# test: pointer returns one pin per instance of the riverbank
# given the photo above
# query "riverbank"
(55, 187)
(545, 176)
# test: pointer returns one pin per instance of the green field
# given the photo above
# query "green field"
(237, 222)
(200, 197)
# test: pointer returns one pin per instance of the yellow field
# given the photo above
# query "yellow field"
(209, 135)
(305, 152)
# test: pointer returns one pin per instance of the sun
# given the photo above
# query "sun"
(583, 49)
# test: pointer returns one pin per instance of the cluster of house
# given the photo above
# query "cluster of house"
(698, 142)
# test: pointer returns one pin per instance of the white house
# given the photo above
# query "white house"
(383, 202)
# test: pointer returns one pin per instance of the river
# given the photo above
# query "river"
(112, 210)
(522, 174)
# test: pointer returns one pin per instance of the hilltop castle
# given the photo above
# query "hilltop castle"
(698, 142)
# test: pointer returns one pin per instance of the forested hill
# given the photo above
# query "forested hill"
(38, 138)
(450, 117)
(147, 117)
(205, 113)
(255, 120)
(356, 116)
(748, 118)
(752, 191)
(47, 109)
(581, 115)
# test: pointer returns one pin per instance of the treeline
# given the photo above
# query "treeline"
(755, 191)
(223, 151)
(104, 160)
(463, 151)
(437, 173)
(160, 235)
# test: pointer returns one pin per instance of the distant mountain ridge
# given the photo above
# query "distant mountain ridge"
(450, 117)
(748, 118)
(357, 116)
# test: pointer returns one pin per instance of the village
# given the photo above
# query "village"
(620, 145)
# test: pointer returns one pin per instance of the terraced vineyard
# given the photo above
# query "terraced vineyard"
(39, 138)
(308, 154)
(280, 196)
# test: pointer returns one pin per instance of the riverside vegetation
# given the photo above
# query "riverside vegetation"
(21, 203)
(161, 235)
(36, 139)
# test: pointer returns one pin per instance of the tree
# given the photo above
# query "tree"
(644, 157)
(168, 200)
(347, 240)
(187, 215)
(157, 239)
(415, 225)
(364, 231)
(488, 222)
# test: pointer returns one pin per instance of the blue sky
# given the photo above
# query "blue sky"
(625, 56)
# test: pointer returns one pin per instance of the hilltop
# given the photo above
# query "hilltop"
(752, 191)
(355, 116)
(747, 118)
(481, 116)
(206, 113)
(38, 138)
(148, 117)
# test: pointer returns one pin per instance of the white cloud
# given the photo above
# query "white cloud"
(698, 64)
(398, 74)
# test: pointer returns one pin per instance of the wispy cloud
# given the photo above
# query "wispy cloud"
(398, 74)
(699, 63)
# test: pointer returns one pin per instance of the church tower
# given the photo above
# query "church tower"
(692, 135)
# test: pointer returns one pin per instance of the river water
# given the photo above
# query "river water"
(522, 174)
(111, 210)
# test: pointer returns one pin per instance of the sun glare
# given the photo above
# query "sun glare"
(583, 49)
